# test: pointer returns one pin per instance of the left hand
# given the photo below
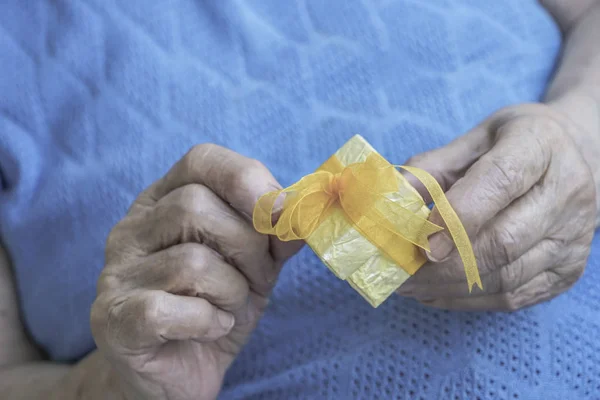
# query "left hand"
(527, 199)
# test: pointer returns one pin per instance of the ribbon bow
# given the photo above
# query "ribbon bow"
(363, 190)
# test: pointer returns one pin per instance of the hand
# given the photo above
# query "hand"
(527, 199)
(187, 277)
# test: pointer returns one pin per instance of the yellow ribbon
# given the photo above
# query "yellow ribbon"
(360, 190)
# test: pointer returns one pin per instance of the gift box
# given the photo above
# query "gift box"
(363, 219)
(351, 256)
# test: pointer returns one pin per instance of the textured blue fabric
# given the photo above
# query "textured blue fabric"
(99, 97)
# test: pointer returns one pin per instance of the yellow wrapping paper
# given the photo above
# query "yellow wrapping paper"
(364, 220)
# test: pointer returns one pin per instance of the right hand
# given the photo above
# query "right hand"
(187, 277)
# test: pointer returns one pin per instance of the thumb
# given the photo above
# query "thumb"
(447, 165)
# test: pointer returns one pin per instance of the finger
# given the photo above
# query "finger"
(193, 213)
(516, 230)
(236, 179)
(542, 287)
(190, 269)
(517, 161)
(500, 280)
(449, 163)
(500, 243)
(150, 318)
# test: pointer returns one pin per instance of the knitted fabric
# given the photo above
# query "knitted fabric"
(98, 98)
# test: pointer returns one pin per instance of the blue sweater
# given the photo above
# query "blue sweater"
(98, 98)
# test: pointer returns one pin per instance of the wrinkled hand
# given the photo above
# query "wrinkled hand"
(526, 197)
(187, 277)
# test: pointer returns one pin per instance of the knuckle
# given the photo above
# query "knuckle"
(557, 278)
(188, 253)
(175, 212)
(198, 152)
(121, 243)
(555, 247)
(503, 245)
(106, 281)
(509, 279)
(189, 256)
(192, 161)
(255, 167)
(581, 184)
(504, 173)
(533, 119)
(193, 268)
(534, 136)
(576, 273)
(567, 274)
(189, 211)
(188, 195)
(560, 251)
(150, 311)
(192, 199)
(253, 171)
(505, 116)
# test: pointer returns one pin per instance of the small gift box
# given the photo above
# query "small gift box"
(364, 220)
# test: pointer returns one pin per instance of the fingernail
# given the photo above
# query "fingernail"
(277, 209)
(441, 247)
(225, 319)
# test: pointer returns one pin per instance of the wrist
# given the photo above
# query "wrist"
(580, 111)
(92, 378)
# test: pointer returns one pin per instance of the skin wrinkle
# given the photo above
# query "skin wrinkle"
(191, 266)
(210, 226)
(226, 231)
(499, 232)
(509, 273)
(508, 301)
(558, 244)
(487, 273)
(532, 176)
(505, 240)
(506, 179)
(575, 79)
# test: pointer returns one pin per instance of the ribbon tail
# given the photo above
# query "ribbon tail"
(455, 227)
